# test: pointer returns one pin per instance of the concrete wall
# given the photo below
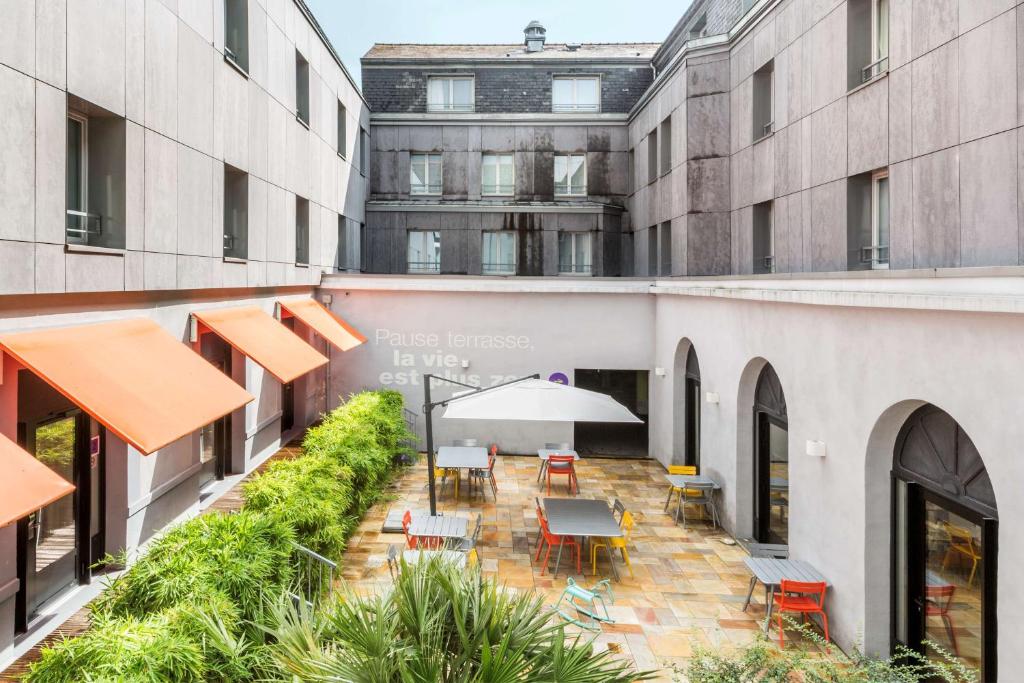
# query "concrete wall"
(854, 357)
(944, 120)
(504, 90)
(187, 112)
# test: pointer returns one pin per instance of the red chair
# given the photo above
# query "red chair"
(563, 464)
(412, 541)
(552, 540)
(803, 598)
(938, 600)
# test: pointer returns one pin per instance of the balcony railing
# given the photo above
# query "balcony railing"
(82, 225)
(450, 106)
(875, 255)
(575, 107)
(425, 266)
(424, 188)
(499, 268)
(314, 576)
(575, 269)
(497, 189)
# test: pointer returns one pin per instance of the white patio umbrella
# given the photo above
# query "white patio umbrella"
(537, 400)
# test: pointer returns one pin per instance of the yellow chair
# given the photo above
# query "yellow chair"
(443, 473)
(962, 543)
(616, 543)
(690, 470)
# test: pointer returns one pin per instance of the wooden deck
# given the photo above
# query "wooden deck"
(78, 623)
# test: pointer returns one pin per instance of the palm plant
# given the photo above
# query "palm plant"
(439, 623)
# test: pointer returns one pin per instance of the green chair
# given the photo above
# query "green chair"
(589, 605)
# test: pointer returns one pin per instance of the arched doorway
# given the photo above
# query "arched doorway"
(686, 397)
(945, 535)
(771, 460)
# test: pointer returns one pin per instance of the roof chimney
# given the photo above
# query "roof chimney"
(535, 33)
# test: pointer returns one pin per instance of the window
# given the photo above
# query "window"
(424, 251)
(665, 252)
(236, 213)
(764, 239)
(868, 220)
(425, 173)
(450, 93)
(763, 84)
(574, 254)
(573, 93)
(342, 133)
(631, 171)
(652, 251)
(699, 28)
(652, 156)
(94, 178)
(867, 41)
(236, 33)
(498, 174)
(364, 151)
(666, 145)
(301, 88)
(80, 224)
(499, 253)
(301, 231)
(350, 240)
(571, 174)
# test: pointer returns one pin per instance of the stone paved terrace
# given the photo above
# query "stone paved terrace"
(688, 588)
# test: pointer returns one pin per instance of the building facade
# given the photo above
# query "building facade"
(174, 177)
(500, 159)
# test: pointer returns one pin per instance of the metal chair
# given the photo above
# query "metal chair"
(469, 545)
(540, 516)
(551, 446)
(588, 603)
(618, 508)
(777, 551)
(698, 494)
(563, 465)
(393, 555)
(690, 470)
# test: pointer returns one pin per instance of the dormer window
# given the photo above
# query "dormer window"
(450, 93)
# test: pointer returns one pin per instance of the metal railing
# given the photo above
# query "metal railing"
(314, 576)
(424, 188)
(92, 222)
(875, 255)
(450, 106)
(575, 269)
(768, 263)
(498, 268)
(497, 189)
(575, 107)
(874, 68)
(424, 266)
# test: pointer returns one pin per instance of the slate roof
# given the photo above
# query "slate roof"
(559, 51)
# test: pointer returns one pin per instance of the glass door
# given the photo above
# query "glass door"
(693, 422)
(49, 538)
(771, 480)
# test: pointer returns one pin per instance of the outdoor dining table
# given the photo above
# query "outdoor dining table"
(584, 518)
(682, 481)
(460, 458)
(438, 526)
(454, 556)
(545, 453)
(778, 484)
(771, 571)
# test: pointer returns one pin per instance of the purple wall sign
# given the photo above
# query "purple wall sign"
(559, 377)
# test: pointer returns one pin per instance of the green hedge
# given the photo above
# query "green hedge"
(194, 607)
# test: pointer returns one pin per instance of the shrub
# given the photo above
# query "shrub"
(439, 623)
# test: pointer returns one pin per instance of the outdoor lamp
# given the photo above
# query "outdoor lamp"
(816, 449)
(712, 397)
(660, 372)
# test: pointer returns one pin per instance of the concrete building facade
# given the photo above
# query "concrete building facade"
(160, 160)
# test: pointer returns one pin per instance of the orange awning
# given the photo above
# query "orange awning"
(25, 483)
(329, 326)
(264, 340)
(137, 380)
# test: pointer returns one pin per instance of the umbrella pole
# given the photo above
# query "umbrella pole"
(428, 411)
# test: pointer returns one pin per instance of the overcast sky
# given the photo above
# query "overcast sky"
(354, 25)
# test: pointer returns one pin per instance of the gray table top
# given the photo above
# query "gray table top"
(454, 556)
(474, 457)
(771, 571)
(580, 517)
(444, 527)
(778, 484)
(681, 481)
(545, 453)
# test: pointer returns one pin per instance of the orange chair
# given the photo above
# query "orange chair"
(938, 600)
(552, 540)
(963, 545)
(412, 541)
(803, 598)
(563, 464)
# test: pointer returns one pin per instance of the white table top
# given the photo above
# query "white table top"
(444, 527)
(580, 517)
(473, 457)
(681, 481)
(545, 453)
(454, 556)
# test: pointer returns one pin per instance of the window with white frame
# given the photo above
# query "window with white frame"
(236, 32)
(424, 251)
(879, 37)
(301, 88)
(867, 40)
(425, 173)
(764, 239)
(576, 93)
(450, 93)
(571, 175)
(301, 231)
(498, 255)
(574, 253)
(236, 213)
(342, 129)
(764, 86)
(497, 175)
(79, 224)
(880, 220)
(364, 151)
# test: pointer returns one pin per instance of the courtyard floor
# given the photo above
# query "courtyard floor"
(689, 585)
